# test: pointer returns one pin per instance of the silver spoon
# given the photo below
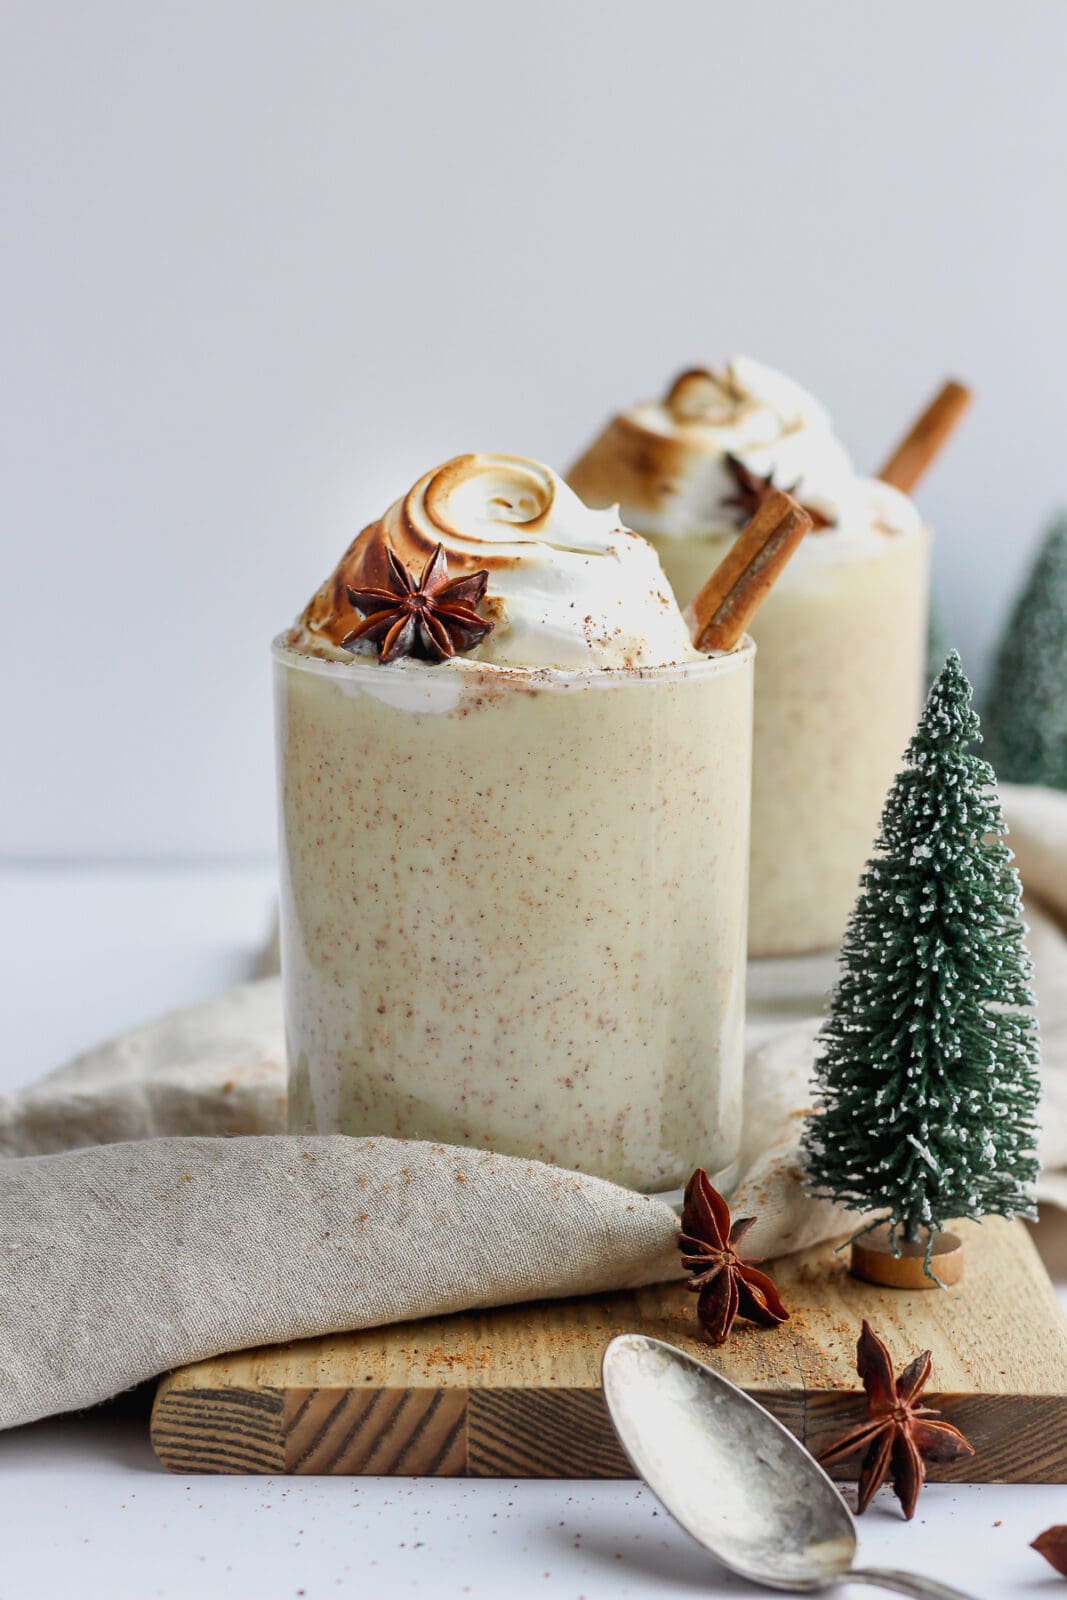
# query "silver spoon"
(734, 1477)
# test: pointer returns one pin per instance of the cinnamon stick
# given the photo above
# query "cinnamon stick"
(746, 574)
(917, 450)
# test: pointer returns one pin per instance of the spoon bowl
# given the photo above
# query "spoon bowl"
(733, 1476)
(726, 1469)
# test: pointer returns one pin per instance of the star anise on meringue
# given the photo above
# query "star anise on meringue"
(750, 491)
(898, 1436)
(432, 618)
(728, 1285)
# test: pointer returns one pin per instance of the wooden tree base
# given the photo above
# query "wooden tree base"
(874, 1261)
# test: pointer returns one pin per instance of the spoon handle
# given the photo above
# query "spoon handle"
(904, 1583)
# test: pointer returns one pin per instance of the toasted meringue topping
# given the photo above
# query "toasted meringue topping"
(664, 462)
(568, 587)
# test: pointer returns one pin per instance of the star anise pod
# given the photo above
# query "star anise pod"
(728, 1286)
(432, 618)
(1052, 1544)
(897, 1436)
(751, 490)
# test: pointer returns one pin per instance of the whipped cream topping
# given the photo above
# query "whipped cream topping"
(663, 462)
(568, 587)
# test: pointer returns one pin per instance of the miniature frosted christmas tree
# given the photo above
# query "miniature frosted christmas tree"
(926, 1078)
(1026, 721)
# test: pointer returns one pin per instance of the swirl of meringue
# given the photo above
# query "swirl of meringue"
(663, 462)
(568, 587)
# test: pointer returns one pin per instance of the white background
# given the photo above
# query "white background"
(263, 263)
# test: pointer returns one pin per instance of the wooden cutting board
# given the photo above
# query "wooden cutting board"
(515, 1393)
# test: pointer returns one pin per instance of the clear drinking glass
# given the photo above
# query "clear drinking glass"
(839, 684)
(513, 907)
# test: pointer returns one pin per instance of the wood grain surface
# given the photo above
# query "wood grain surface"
(515, 1392)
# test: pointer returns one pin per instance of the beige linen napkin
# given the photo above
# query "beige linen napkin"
(120, 1260)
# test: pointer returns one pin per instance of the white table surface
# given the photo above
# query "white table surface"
(85, 1509)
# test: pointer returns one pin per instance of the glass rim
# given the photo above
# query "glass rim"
(359, 666)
